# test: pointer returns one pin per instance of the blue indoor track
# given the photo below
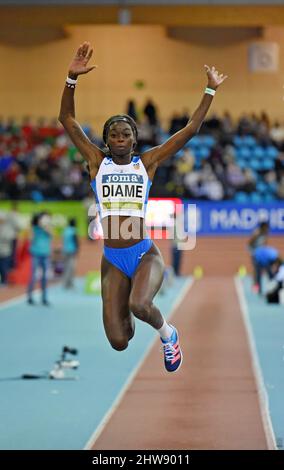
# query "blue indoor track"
(63, 414)
(267, 324)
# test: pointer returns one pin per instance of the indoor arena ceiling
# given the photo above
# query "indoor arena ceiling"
(25, 25)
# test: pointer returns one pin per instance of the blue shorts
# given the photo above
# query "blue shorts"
(128, 259)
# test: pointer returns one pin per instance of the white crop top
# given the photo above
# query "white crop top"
(121, 189)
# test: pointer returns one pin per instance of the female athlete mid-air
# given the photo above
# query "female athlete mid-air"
(132, 267)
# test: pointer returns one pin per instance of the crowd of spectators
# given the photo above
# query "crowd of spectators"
(227, 160)
(242, 160)
(38, 162)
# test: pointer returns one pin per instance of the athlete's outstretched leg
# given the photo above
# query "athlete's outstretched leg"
(145, 284)
(118, 320)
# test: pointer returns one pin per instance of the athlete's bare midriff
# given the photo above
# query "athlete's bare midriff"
(123, 231)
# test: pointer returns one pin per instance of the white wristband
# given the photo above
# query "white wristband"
(71, 81)
(210, 91)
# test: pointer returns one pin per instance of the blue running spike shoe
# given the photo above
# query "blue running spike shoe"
(172, 352)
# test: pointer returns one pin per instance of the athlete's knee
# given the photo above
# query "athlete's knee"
(118, 343)
(141, 309)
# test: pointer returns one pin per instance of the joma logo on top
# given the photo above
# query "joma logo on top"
(119, 178)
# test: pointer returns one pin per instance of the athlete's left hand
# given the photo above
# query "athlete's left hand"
(214, 77)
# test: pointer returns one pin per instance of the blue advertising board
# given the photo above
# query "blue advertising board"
(229, 218)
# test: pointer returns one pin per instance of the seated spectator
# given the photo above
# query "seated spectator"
(185, 164)
(234, 175)
(279, 166)
(280, 189)
(277, 133)
(216, 156)
(192, 182)
(212, 188)
(270, 177)
(249, 181)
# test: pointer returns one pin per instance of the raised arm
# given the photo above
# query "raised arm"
(157, 154)
(78, 66)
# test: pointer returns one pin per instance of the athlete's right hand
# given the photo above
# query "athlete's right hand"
(79, 64)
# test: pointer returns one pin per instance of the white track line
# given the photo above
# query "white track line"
(19, 298)
(262, 394)
(23, 297)
(14, 301)
(132, 376)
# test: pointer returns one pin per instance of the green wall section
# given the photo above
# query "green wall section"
(60, 212)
